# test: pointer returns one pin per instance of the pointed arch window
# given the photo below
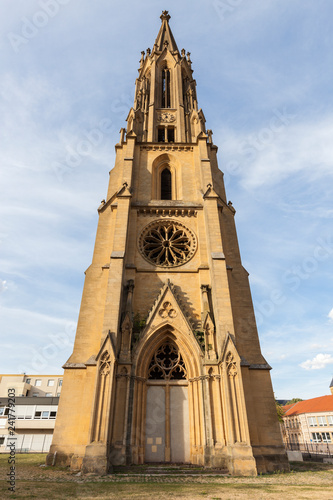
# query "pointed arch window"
(166, 182)
(166, 101)
(167, 363)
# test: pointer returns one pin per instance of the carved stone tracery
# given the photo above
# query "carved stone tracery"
(167, 311)
(231, 365)
(166, 117)
(104, 367)
(167, 243)
(167, 363)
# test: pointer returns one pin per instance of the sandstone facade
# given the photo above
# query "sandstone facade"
(167, 364)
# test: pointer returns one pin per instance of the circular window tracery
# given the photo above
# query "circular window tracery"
(167, 243)
(167, 364)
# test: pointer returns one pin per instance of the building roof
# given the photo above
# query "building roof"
(323, 403)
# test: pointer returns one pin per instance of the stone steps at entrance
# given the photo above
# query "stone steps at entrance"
(167, 469)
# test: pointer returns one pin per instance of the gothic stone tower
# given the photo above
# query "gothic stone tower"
(166, 365)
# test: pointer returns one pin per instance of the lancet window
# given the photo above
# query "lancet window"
(166, 191)
(166, 101)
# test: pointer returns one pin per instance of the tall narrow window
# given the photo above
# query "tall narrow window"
(166, 184)
(168, 89)
(166, 100)
(163, 88)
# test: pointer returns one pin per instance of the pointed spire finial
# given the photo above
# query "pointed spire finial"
(165, 16)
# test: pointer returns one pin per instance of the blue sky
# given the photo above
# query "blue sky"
(264, 73)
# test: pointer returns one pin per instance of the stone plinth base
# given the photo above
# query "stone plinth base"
(96, 459)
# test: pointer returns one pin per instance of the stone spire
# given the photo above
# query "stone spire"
(165, 35)
(165, 104)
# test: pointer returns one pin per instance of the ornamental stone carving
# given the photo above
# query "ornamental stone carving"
(166, 117)
(104, 368)
(231, 365)
(167, 311)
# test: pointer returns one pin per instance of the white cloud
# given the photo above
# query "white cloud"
(277, 150)
(330, 314)
(318, 362)
(3, 286)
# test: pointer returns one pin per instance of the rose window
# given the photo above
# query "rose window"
(167, 243)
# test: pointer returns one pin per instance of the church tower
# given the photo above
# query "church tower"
(166, 365)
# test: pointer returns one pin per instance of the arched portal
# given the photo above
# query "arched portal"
(167, 414)
(167, 436)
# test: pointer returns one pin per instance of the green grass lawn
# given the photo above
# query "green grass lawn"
(306, 481)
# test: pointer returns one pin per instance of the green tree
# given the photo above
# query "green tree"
(280, 411)
(294, 400)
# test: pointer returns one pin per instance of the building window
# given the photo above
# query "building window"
(29, 413)
(58, 394)
(45, 414)
(326, 437)
(50, 383)
(35, 394)
(312, 421)
(167, 243)
(322, 421)
(167, 363)
(316, 437)
(330, 419)
(60, 382)
(166, 184)
(28, 381)
(2, 440)
(38, 383)
(53, 414)
(48, 394)
(166, 88)
(2, 411)
(38, 414)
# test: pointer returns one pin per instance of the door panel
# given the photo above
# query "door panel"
(155, 424)
(179, 425)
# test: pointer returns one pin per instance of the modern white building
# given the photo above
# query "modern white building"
(308, 423)
(35, 411)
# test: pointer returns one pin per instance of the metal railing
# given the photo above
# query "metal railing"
(322, 449)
